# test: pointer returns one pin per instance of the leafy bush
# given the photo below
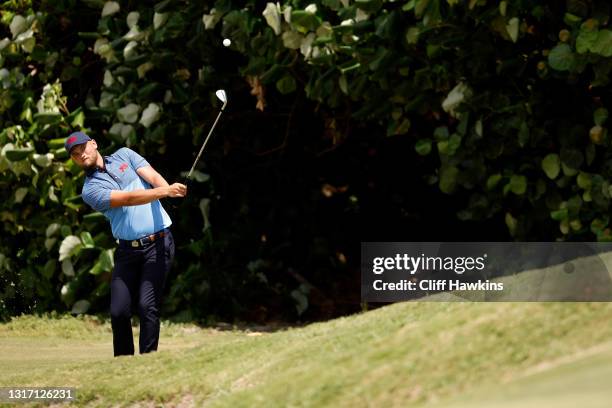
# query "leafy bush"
(503, 105)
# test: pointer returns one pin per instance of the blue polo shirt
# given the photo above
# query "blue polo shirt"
(127, 222)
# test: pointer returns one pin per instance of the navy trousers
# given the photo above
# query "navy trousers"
(138, 279)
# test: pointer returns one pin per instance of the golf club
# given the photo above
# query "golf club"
(223, 98)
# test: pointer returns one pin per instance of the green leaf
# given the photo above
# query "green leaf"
(453, 144)
(478, 127)
(18, 154)
(574, 204)
(369, 6)
(518, 184)
(559, 215)
(301, 299)
(599, 224)
(564, 227)
(551, 164)
(205, 210)
(26, 115)
(164, 6)
(493, 180)
(503, 7)
(442, 147)
(603, 44)
(56, 143)
(568, 171)
(95, 216)
(342, 83)
(420, 7)
(571, 19)
(20, 194)
(590, 154)
(67, 267)
(286, 84)
(584, 180)
(49, 268)
(585, 40)
(441, 133)
(43, 160)
(387, 25)
(409, 6)
(272, 73)
(561, 58)
(71, 245)
(304, 21)
(65, 230)
(78, 120)
(412, 35)
(51, 194)
(105, 262)
(448, 179)
(523, 135)
(600, 115)
(511, 223)
(402, 127)
(380, 59)
(463, 124)
(423, 147)
(80, 307)
(45, 118)
(87, 240)
(52, 229)
(147, 91)
(513, 28)
(604, 236)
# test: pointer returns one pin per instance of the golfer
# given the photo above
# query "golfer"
(126, 189)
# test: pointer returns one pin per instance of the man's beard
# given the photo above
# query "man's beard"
(90, 167)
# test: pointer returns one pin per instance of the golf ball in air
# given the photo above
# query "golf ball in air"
(227, 42)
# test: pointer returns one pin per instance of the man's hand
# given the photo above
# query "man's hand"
(176, 190)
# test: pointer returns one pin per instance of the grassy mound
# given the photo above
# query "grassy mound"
(422, 354)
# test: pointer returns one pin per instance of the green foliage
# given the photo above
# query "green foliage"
(503, 104)
(490, 81)
(46, 248)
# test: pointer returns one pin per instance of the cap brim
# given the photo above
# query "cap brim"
(75, 145)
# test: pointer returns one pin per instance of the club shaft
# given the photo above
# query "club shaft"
(204, 145)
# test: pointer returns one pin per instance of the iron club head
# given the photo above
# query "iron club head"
(222, 96)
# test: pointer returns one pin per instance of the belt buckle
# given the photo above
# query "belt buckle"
(135, 243)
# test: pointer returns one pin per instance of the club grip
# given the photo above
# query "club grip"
(175, 201)
(187, 182)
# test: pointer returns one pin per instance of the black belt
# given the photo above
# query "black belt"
(140, 242)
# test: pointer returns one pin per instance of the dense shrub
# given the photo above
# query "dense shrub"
(495, 110)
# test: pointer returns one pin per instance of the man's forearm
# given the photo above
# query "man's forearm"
(137, 197)
(159, 181)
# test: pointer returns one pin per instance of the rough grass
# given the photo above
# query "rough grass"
(406, 354)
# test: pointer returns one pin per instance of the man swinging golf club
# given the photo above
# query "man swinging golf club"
(126, 189)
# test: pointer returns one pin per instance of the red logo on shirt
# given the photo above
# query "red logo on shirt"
(72, 139)
(123, 167)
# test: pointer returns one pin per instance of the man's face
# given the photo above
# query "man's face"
(85, 154)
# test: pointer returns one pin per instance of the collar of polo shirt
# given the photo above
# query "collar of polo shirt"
(93, 171)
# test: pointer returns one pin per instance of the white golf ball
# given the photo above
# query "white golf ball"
(227, 42)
